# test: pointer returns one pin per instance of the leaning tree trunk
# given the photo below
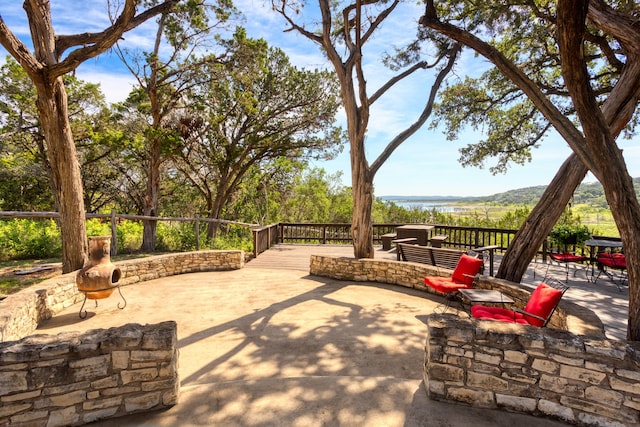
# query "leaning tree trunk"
(608, 163)
(541, 220)
(65, 170)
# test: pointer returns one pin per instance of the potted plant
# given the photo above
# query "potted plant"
(569, 234)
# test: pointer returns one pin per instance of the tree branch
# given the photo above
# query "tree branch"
(401, 137)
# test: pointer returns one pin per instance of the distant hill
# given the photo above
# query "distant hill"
(588, 193)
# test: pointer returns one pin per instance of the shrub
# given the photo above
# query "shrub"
(26, 238)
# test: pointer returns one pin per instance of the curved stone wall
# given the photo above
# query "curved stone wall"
(569, 316)
(568, 371)
(22, 312)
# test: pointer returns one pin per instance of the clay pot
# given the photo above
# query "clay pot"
(99, 277)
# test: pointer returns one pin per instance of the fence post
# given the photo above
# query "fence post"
(114, 234)
(197, 232)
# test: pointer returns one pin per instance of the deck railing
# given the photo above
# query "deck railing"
(339, 233)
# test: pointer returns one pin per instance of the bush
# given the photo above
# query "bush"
(29, 239)
(129, 235)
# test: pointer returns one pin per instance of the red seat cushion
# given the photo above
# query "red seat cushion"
(615, 260)
(459, 279)
(444, 284)
(467, 265)
(496, 313)
(541, 303)
(567, 257)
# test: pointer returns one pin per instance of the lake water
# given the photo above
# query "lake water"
(443, 207)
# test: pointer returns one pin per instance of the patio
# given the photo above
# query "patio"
(271, 345)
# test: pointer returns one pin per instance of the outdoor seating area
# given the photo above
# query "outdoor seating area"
(537, 312)
(389, 313)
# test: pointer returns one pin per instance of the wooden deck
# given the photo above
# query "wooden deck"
(297, 257)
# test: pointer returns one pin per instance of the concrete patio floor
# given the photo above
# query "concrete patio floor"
(270, 345)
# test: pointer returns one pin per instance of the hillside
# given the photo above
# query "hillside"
(588, 193)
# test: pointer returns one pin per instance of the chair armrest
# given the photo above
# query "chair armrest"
(517, 310)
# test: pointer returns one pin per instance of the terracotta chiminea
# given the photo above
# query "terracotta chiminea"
(99, 277)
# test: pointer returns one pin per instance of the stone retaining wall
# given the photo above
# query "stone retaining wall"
(541, 371)
(72, 379)
(22, 312)
(568, 316)
(567, 371)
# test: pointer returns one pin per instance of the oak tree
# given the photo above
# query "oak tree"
(54, 55)
(343, 33)
(586, 35)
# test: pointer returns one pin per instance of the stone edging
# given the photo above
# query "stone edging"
(22, 312)
(568, 371)
(568, 316)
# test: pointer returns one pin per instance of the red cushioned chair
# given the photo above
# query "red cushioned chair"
(614, 261)
(566, 258)
(463, 275)
(537, 312)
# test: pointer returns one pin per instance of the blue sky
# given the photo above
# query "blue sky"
(426, 164)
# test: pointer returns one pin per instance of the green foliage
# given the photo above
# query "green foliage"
(568, 234)
(569, 230)
(95, 227)
(25, 239)
(176, 237)
(129, 235)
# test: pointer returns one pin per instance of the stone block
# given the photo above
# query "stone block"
(142, 402)
(441, 372)
(11, 382)
(604, 396)
(10, 410)
(581, 374)
(120, 359)
(513, 356)
(92, 416)
(546, 366)
(63, 417)
(102, 403)
(515, 403)
(625, 386)
(487, 382)
(479, 398)
(562, 386)
(556, 410)
(129, 376)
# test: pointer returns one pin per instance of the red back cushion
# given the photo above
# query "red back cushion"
(466, 265)
(542, 302)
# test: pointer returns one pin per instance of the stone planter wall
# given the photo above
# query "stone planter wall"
(568, 316)
(541, 371)
(567, 371)
(22, 312)
(77, 378)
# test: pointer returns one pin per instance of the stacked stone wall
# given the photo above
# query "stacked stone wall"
(22, 312)
(567, 371)
(568, 316)
(72, 379)
(542, 371)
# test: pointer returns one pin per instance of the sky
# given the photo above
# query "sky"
(424, 165)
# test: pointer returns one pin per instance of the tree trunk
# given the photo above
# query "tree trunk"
(151, 198)
(362, 189)
(65, 171)
(541, 220)
(609, 165)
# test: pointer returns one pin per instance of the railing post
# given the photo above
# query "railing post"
(197, 232)
(255, 242)
(324, 235)
(114, 233)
